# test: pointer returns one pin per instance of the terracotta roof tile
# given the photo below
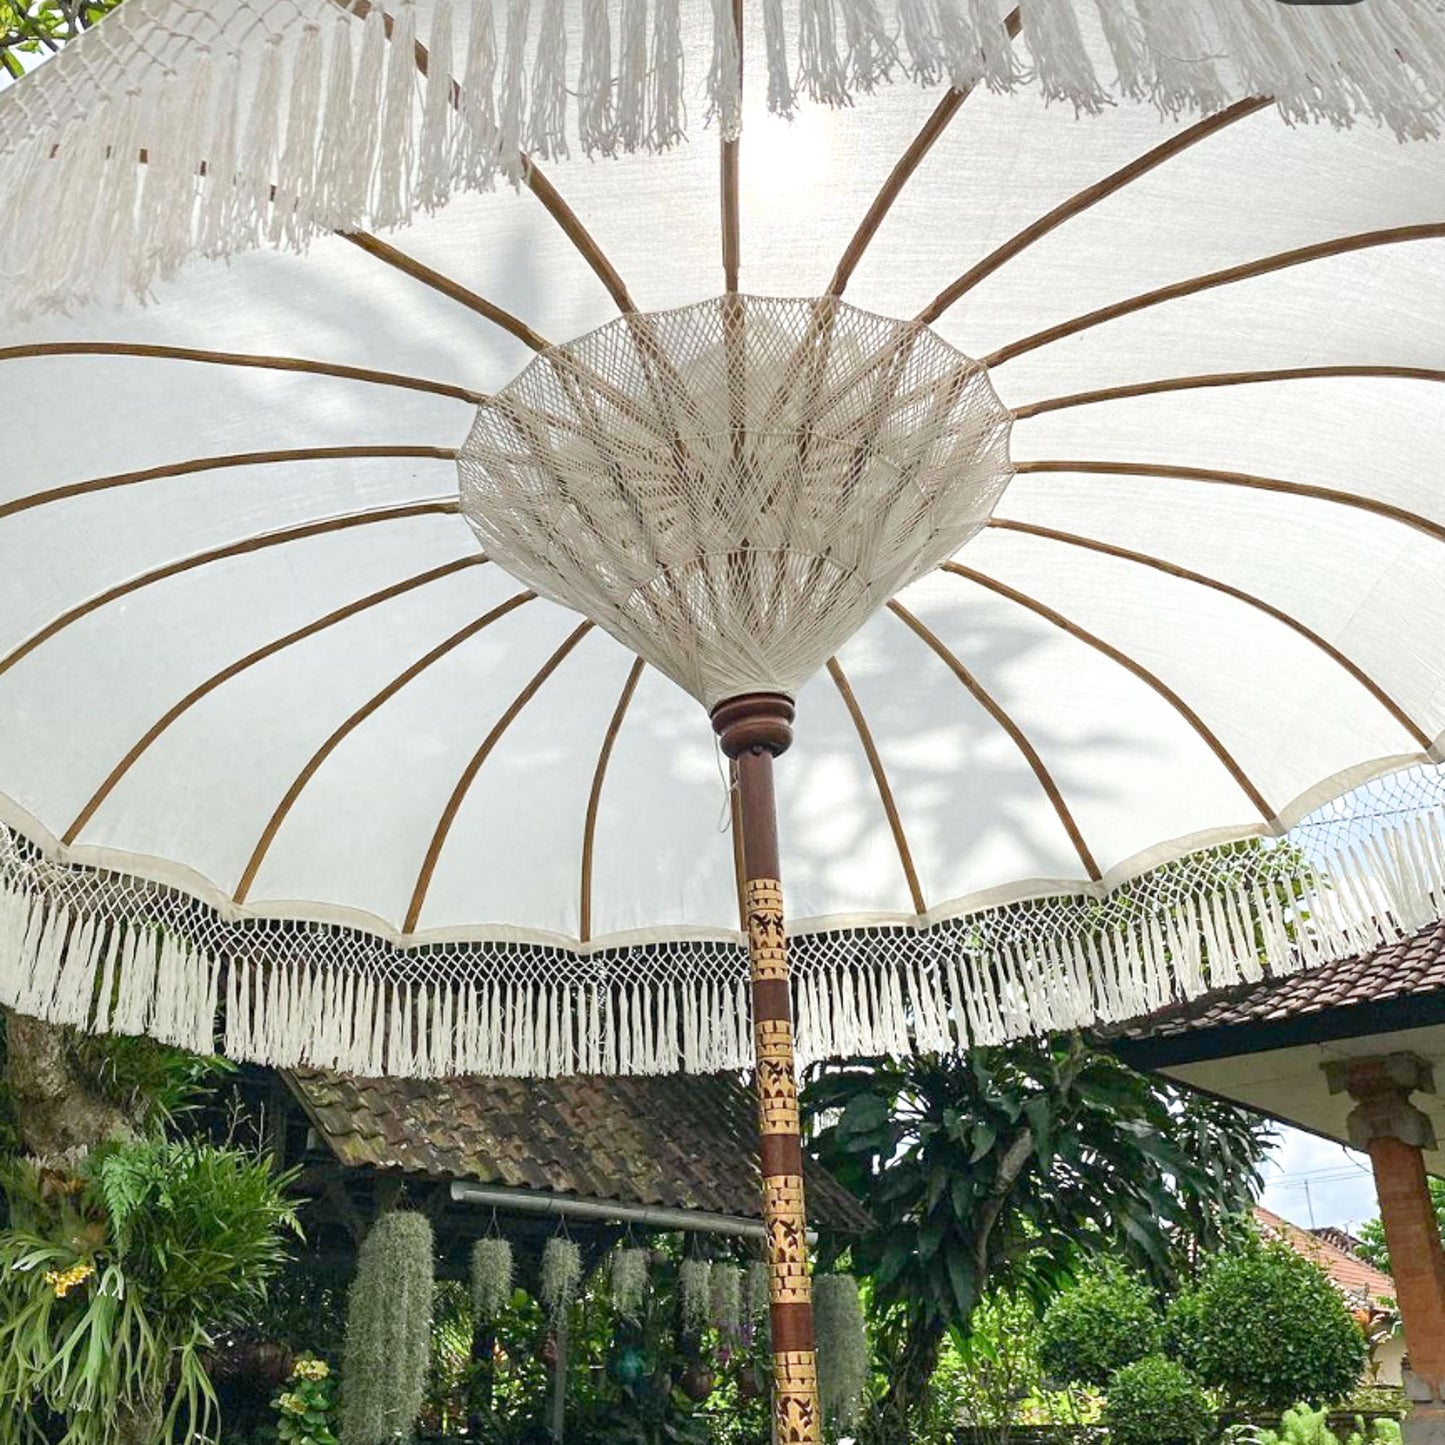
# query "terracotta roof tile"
(1350, 1274)
(1414, 966)
(681, 1142)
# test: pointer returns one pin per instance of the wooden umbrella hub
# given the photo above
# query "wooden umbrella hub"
(753, 730)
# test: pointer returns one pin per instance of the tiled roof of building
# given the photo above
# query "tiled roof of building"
(1398, 971)
(1351, 1275)
(680, 1142)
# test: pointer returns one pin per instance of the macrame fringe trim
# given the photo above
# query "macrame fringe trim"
(987, 978)
(338, 113)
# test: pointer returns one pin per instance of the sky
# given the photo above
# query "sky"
(1312, 1183)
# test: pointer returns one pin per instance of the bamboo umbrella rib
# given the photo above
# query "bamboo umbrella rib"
(1087, 198)
(219, 554)
(594, 797)
(372, 705)
(242, 359)
(1248, 271)
(1145, 675)
(194, 465)
(902, 173)
(1161, 471)
(1206, 380)
(880, 779)
(1020, 740)
(1171, 569)
(452, 290)
(475, 765)
(217, 679)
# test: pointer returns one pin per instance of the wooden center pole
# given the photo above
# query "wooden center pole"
(753, 731)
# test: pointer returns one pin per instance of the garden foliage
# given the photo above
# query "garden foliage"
(1109, 1319)
(1156, 1401)
(1266, 1328)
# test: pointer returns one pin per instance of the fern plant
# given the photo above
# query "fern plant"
(388, 1331)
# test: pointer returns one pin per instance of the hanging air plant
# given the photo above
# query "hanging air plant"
(388, 1331)
(491, 1277)
(694, 1284)
(629, 1283)
(757, 1292)
(561, 1275)
(727, 1299)
(842, 1347)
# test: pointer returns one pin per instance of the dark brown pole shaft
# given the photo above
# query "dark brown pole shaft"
(753, 731)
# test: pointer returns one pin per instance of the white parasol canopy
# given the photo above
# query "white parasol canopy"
(274, 728)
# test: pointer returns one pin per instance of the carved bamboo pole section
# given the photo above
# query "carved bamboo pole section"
(753, 731)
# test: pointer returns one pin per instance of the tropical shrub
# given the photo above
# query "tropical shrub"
(1109, 1319)
(1156, 1401)
(117, 1270)
(388, 1331)
(1267, 1328)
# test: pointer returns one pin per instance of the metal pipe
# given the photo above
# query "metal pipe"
(563, 1206)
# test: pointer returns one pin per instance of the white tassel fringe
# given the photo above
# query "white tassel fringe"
(296, 994)
(311, 117)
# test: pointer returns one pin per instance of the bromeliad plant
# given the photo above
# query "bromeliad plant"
(117, 1270)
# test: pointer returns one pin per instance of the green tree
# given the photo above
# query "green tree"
(1373, 1248)
(32, 28)
(1109, 1319)
(1008, 1167)
(1267, 1328)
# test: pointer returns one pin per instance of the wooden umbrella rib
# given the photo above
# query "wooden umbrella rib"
(1087, 198)
(577, 233)
(194, 465)
(535, 181)
(372, 705)
(1248, 271)
(594, 798)
(902, 173)
(1205, 380)
(217, 679)
(731, 205)
(1160, 471)
(445, 286)
(242, 359)
(469, 773)
(880, 779)
(218, 554)
(1015, 732)
(1186, 574)
(1131, 665)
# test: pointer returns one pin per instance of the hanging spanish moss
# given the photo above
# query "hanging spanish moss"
(561, 1275)
(727, 1298)
(757, 1292)
(492, 1268)
(842, 1347)
(388, 1331)
(694, 1287)
(629, 1283)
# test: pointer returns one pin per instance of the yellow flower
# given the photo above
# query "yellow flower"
(62, 1281)
(310, 1369)
(293, 1404)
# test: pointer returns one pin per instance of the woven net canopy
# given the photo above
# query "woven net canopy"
(440, 458)
(733, 489)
